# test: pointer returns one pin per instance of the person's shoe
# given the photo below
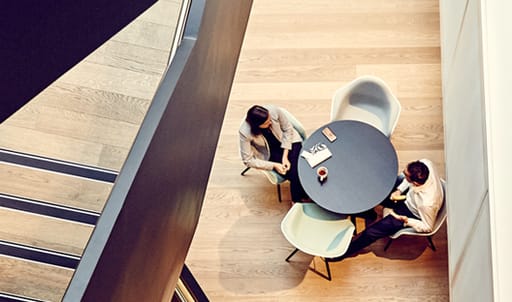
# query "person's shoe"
(306, 200)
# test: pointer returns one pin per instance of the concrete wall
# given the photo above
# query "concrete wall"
(497, 50)
(474, 117)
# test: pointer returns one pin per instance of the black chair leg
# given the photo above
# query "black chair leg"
(328, 269)
(245, 170)
(388, 244)
(429, 238)
(291, 255)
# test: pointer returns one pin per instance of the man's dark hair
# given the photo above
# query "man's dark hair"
(418, 172)
(256, 116)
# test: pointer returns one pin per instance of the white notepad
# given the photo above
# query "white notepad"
(314, 159)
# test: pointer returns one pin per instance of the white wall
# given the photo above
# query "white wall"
(475, 77)
(465, 152)
(497, 51)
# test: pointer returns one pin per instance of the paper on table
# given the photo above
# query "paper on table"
(314, 159)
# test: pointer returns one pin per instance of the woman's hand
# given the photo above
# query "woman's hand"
(280, 168)
(286, 164)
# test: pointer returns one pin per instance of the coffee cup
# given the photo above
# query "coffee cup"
(322, 172)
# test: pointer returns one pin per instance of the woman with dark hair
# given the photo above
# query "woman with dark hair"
(268, 141)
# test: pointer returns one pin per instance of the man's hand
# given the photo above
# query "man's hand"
(402, 218)
(396, 195)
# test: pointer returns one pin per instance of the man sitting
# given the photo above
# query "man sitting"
(424, 197)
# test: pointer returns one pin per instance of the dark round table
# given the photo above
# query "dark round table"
(362, 169)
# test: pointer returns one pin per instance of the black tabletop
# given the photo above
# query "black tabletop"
(362, 169)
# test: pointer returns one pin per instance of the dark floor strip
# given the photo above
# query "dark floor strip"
(4, 297)
(48, 209)
(39, 255)
(192, 285)
(54, 165)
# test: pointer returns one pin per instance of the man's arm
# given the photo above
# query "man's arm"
(428, 216)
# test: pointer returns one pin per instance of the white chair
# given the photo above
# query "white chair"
(441, 217)
(367, 99)
(317, 232)
(274, 177)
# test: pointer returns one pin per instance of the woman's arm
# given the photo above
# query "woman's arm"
(286, 128)
(248, 156)
(285, 162)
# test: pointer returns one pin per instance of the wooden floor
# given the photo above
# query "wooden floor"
(295, 54)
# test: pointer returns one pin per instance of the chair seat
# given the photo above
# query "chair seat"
(316, 231)
(408, 231)
(274, 177)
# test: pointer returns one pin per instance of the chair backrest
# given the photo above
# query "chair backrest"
(367, 99)
(296, 123)
(442, 213)
(316, 231)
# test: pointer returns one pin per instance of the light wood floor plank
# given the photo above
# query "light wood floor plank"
(324, 7)
(55, 188)
(43, 232)
(99, 103)
(128, 56)
(32, 279)
(49, 145)
(117, 80)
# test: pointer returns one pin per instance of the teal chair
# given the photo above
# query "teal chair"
(274, 177)
(318, 232)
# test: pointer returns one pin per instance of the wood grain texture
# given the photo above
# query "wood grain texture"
(33, 280)
(43, 232)
(295, 54)
(90, 116)
(55, 188)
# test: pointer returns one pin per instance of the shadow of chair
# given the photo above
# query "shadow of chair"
(441, 217)
(274, 177)
(317, 232)
(367, 99)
